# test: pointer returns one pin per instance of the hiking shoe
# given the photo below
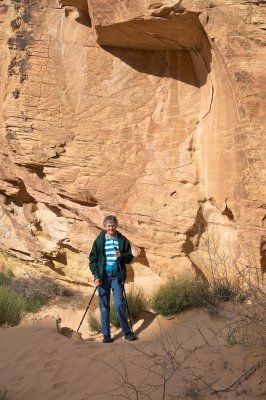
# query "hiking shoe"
(130, 336)
(107, 339)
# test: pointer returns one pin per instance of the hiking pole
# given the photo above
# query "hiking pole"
(124, 292)
(87, 307)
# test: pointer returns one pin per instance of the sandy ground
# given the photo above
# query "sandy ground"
(186, 357)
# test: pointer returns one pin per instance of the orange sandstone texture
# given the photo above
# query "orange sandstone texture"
(150, 111)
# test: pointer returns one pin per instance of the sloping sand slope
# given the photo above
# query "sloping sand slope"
(38, 363)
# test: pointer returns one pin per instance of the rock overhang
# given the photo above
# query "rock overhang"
(182, 31)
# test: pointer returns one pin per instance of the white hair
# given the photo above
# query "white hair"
(110, 218)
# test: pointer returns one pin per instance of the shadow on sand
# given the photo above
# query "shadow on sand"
(146, 317)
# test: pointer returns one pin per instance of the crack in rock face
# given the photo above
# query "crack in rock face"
(147, 110)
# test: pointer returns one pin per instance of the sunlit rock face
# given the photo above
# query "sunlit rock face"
(150, 111)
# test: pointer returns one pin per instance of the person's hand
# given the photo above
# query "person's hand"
(117, 253)
(98, 282)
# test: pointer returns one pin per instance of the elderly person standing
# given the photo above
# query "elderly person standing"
(109, 249)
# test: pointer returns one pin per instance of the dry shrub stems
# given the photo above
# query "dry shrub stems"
(240, 322)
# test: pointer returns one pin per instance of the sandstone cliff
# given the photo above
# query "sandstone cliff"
(151, 111)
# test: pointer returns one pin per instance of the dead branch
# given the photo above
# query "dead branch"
(245, 375)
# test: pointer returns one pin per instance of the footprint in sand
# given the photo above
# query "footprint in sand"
(22, 356)
(49, 364)
(59, 385)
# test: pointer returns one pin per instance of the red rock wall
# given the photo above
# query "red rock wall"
(150, 112)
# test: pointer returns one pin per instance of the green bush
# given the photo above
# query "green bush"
(11, 307)
(179, 294)
(33, 292)
(94, 323)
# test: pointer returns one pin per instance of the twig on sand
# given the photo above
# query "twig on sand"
(245, 375)
(201, 334)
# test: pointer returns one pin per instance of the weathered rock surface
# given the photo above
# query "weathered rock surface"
(151, 111)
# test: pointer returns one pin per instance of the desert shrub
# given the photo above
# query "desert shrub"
(12, 306)
(201, 295)
(179, 294)
(45, 287)
(136, 304)
(5, 278)
(3, 395)
(33, 295)
(34, 300)
(35, 292)
(94, 323)
(224, 290)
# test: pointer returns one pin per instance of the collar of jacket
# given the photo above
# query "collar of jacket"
(102, 236)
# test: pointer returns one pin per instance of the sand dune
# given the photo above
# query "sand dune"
(39, 363)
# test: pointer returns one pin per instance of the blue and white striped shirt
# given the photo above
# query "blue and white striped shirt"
(111, 259)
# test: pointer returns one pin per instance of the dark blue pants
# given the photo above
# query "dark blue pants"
(110, 281)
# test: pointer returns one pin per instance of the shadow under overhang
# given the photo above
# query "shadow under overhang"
(182, 31)
(176, 47)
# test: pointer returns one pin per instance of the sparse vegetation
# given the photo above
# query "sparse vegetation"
(113, 315)
(20, 295)
(231, 338)
(136, 304)
(5, 278)
(11, 307)
(193, 392)
(224, 290)
(94, 323)
(3, 395)
(42, 287)
(34, 300)
(179, 294)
